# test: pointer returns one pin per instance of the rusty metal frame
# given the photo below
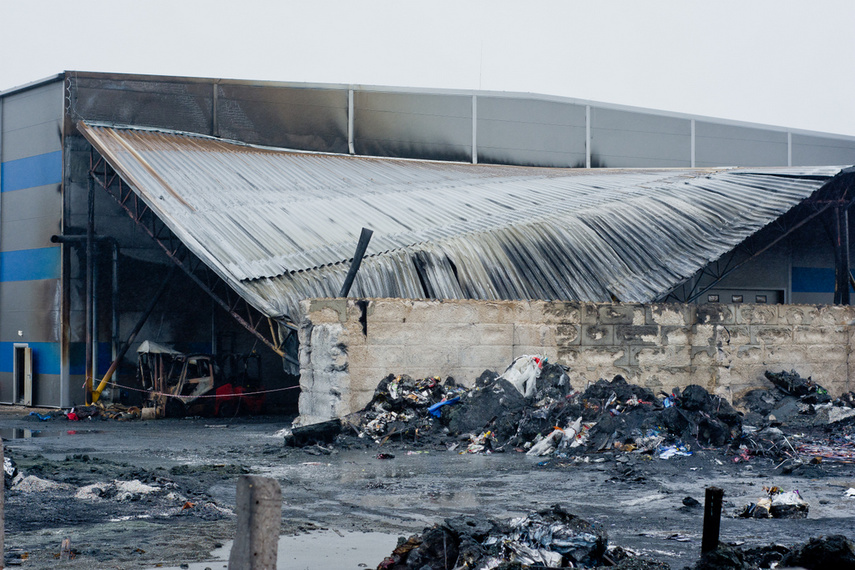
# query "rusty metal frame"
(244, 313)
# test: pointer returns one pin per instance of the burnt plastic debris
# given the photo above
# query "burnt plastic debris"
(313, 434)
(777, 504)
(550, 538)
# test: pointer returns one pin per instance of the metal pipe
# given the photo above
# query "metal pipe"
(361, 246)
(90, 232)
(114, 301)
(96, 393)
(844, 278)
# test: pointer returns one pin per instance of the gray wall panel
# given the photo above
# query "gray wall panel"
(33, 140)
(729, 145)
(47, 390)
(308, 119)
(628, 139)
(537, 133)
(6, 387)
(33, 107)
(31, 307)
(30, 217)
(413, 125)
(167, 104)
(816, 151)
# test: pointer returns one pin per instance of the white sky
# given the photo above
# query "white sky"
(779, 62)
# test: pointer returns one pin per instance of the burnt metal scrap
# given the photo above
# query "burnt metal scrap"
(279, 226)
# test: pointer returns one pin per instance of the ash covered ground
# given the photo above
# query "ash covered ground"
(133, 494)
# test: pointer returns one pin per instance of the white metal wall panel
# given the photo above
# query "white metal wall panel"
(731, 145)
(622, 139)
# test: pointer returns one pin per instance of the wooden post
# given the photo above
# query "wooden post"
(259, 514)
(712, 519)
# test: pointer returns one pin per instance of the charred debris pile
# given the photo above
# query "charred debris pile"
(533, 408)
(554, 538)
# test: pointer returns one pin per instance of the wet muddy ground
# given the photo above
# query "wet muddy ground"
(136, 494)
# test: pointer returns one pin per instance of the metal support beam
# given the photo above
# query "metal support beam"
(90, 245)
(249, 317)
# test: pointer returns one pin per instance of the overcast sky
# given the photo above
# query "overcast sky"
(767, 61)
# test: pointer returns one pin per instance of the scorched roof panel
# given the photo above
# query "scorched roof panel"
(281, 226)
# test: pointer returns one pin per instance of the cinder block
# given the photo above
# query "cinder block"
(797, 314)
(704, 356)
(670, 315)
(593, 357)
(555, 312)
(566, 334)
(432, 358)
(660, 356)
(820, 335)
(589, 313)
(637, 334)
(676, 335)
(495, 334)
(486, 357)
(715, 313)
(827, 354)
(748, 355)
(597, 335)
(544, 335)
(834, 315)
(772, 334)
(619, 314)
(389, 310)
(756, 314)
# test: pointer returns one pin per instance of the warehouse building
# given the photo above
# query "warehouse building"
(258, 192)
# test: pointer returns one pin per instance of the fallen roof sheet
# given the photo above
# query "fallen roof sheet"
(281, 226)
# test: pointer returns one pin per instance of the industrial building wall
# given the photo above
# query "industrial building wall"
(467, 126)
(30, 265)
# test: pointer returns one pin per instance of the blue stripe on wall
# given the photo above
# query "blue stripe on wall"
(813, 280)
(31, 171)
(46, 357)
(30, 264)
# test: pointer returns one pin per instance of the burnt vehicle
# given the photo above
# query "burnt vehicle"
(180, 384)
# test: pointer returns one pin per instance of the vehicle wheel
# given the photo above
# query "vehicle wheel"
(174, 408)
(229, 409)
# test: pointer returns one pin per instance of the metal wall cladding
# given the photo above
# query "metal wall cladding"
(814, 150)
(32, 122)
(731, 145)
(530, 132)
(307, 119)
(30, 217)
(413, 125)
(624, 139)
(281, 226)
(162, 102)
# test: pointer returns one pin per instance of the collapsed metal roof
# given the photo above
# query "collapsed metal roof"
(280, 226)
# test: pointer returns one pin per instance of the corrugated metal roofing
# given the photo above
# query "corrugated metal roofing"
(280, 226)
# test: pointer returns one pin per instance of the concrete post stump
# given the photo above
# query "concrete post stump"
(259, 514)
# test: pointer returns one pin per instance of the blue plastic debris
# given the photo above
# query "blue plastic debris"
(41, 417)
(435, 409)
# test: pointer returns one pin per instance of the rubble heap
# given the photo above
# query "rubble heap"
(533, 407)
(550, 538)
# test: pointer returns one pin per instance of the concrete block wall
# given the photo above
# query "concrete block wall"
(349, 345)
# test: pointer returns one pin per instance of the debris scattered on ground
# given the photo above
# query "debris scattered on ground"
(818, 553)
(777, 504)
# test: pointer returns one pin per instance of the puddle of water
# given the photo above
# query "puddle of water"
(25, 433)
(322, 550)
